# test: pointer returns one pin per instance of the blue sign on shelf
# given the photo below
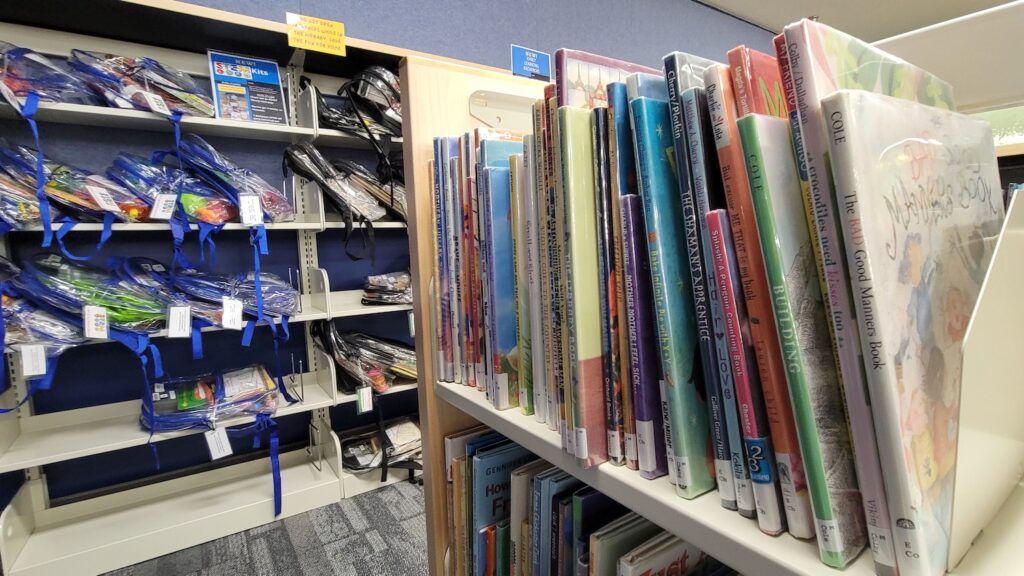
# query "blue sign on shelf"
(531, 63)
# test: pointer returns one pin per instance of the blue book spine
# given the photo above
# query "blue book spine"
(618, 108)
(699, 286)
(503, 326)
(492, 478)
(687, 417)
(485, 263)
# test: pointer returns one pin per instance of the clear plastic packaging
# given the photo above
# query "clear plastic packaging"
(184, 403)
(148, 180)
(344, 195)
(384, 289)
(390, 195)
(364, 452)
(365, 360)
(220, 172)
(279, 297)
(24, 71)
(155, 276)
(18, 204)
(26, 324)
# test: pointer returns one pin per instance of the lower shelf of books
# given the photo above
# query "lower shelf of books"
(721, 533)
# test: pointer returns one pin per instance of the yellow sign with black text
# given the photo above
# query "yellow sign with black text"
(316, 34)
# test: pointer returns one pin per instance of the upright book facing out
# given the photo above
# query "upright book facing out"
(919, 191)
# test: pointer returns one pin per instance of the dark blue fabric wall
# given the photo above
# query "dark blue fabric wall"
(637, 31)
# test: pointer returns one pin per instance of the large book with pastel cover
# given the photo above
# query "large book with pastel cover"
(803, 334)
(530, 207)
(492, 474)
(581, 77)
(822, 60)
(644, 360)
(521, 356)
(686, 436)
(545, 237)
(919, 190)
(586, 371)
(443, 150)
(680, 77)
(757, 296)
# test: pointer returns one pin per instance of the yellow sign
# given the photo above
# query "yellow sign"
(316, 34)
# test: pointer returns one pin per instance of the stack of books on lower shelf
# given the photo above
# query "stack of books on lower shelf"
(515, 514)
(754, 277)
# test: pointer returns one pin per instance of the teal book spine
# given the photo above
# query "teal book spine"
(687, 434)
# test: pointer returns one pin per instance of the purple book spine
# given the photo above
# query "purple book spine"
(644, 362)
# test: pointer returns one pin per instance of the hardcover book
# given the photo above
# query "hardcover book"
(919, 190)
(472, 306)
(822, 60)
(529, 209)
(546, 234)
(803, 334)
(492, 473)
(547, 487)
(664, 554)
(756, 83)
(644, 361)
(501, 282)
(586, 371)
(442, 152)
(522, 356)
(757, 443)
(520, 497)
(581, 77)
(591, 511)
(623, 181)
(757, 297)
(679, 75)
(558, 251)
(686, 435)
(616, 538)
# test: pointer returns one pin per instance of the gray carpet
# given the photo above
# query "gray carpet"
(379, 533)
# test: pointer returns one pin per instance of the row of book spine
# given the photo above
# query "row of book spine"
(664, 273)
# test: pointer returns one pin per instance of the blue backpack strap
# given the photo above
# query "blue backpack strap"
(264, 422)
(278, 371)
(206, 231)
(68, 224)
(44, 382)
(179, 220)
(28, 112)
(197, 343)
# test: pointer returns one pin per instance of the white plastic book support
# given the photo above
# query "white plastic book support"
(990, 453)
(503, 111)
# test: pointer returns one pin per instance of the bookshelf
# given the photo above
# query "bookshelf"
(988, 526)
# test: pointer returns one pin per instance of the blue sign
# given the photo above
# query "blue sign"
(246, 88)
(531, 63)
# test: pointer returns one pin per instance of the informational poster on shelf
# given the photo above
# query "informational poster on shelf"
(316, 34)
(247, 89)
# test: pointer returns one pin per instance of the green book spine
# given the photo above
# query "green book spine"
(803, 335)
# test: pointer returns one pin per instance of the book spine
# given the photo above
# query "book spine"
(754, 423)
(521, 357)
(465, 270)
(535, 521)
(644, 370)
(479, 326)
(487, 296)
(552, 327)
(686, 434)
(694, 115)
(445, 367)
(613, 389)
(455, 261)
(902, 516)
(740, 69)
(812, 380)
(756, 295)
(724, 473)
(533, 272)
(559, 290)
(839, 302)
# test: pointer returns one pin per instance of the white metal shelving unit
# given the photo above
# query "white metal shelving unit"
(103, 533)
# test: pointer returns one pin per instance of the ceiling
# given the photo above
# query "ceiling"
(869, 20)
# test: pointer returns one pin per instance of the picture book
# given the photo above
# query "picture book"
(822, 60)
(586, 378)
(756, 83)
(561, 535)
(757, 297)
(558, 251)
(456, 511)
(644, 85)
(708, 373)
(613, 405)
(803, 334)
(501, 285)
(704, 194)
(522, 358)
(545, 237)
(644, 361)
(534, 314)
(591, 511)
(521, 489)
(920, 195)
(492, 473)
(501, 549)
(622, 168)
(489, 440)
(442, 151)
(685, 70)
(664, 554)
(471, 270)
(455, 263)
(757, 443)
(486, 548)
(455, 444)
(686, 435)
(581, 77)
(548, 486)
(617, 538)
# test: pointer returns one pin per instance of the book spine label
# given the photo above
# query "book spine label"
(839, 301)
(763, 335)
(739, 66)
(644, 369)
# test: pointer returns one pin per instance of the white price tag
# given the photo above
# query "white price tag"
(94, 321)
(217, 440)
(163, 207)
(179, 322)
(581, 443)
(614, 444)
(102, 198)
(156, 103)
(158, 387)
(364, 399)
(631, 453)
(231, 314)
(33, 360)
(250, 210)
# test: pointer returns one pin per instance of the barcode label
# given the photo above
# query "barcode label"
(250, 210)
(102, 198)
(163, 207)
(156, 103)
(828, 536)
(94, 322)
(581, 443)
(631, 452)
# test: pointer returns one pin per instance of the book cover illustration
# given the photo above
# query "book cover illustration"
(492, 477)
(686, 436)
(920, 192)
(757, 442)
(819, 60)
(613, 388)
(581, 77)
(586, 382)
(756, 83)
(521, 355)
(757, 297)
(663, 555)
(803, 334)
(501, 282)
